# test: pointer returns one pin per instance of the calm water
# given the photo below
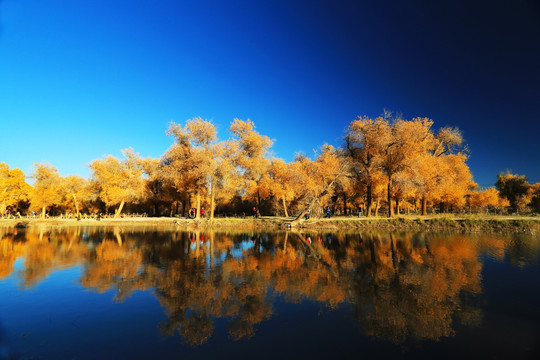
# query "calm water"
(87, 293)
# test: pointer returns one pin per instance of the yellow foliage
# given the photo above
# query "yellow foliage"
(250, 156)
(13, 187)
(118, 182)
(489, 198)
(47, 189)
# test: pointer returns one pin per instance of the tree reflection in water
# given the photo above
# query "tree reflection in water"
(402, 286)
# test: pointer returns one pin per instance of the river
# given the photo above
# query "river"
(159, 293)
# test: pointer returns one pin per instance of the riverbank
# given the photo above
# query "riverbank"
(499, 224)
(473, 223)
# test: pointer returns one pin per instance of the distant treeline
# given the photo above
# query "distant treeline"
(384, 164)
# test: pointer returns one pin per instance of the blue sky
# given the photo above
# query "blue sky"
(79, 80)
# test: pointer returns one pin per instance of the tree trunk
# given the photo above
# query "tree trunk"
(369, 200)
(300, 217)
(284, 206)
(390, 208)
(43, 211)
(76, 204)
(344, 204)
(258, 204)
(119, 210)
(363, 208)
(212, 203)
(198, 214)
(424, 205)
(377, 207)
(315, 198)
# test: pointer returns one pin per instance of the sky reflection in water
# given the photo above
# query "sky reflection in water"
(91, 293)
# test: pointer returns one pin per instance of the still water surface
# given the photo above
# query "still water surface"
(88, 293)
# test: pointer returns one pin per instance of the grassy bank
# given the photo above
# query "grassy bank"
(495, 224)
(440, 223)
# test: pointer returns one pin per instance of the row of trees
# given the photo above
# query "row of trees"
(391, 163)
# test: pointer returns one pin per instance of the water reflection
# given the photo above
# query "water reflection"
(412, 286)
(401, 286)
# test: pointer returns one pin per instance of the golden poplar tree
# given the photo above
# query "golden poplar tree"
(484, 200)
(429, 171)
(426, 174)
(400, 144)
(362, 146)
(457, 181)
(318, 177)
(13, 187)
(195, 161)
(252, 149)
(282, 182)
(160, 190)
(119, 182)
(47, 189)
(224, 177)
(75, 190)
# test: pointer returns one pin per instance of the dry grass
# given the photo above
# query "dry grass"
(466, 223)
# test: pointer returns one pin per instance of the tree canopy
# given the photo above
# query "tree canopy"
(387, 163)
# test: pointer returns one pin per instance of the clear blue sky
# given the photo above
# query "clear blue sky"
(79, 80)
